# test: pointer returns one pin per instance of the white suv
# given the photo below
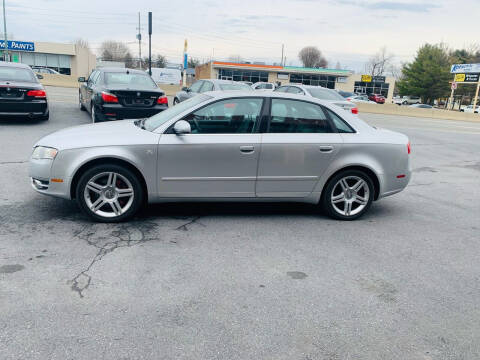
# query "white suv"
(407, 100)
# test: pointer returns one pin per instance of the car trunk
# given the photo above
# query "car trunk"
(16, 91)
(136, 98)
(345, 105)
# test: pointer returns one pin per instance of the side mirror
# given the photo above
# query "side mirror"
(186, 89)
(182, 127)
(81, 79)
(39, 76)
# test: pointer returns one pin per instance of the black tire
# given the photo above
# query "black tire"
(80, 104)
(404, 103)
(94, 115)
(175, 101)
(331, 186)
(135, 205)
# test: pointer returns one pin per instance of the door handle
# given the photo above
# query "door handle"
(247, 149)
(326, 148)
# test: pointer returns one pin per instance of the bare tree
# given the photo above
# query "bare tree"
(82, 43)
(235, 58)
(111, 50)
(379, 63)
(311, 57)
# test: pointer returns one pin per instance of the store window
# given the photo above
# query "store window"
(243, 75)
(368, 88)
(312, 79)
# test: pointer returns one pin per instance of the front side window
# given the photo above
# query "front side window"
(231, 116)
(196, 86)
(292, 116)
(207, 86)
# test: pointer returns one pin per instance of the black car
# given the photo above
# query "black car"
(21, 95)
(119, 93)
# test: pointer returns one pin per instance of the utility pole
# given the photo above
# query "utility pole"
(281, 61)
(139, 37)
(150, 43)
(5, 58)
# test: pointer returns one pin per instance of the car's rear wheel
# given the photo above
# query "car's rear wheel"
(348, 195)
(175, 101)
(109, 193)
(93, 112)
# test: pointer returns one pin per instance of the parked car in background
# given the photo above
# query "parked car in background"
(264, 86)
(407, 100)
(201, 86)
(44, 70)
(422, 106)
(378, 98)
(21, 95)
(469, 109)
(120, 93)
(310, 152)
(346, 94)
(166, 76)
(360, 99)
(320, 93)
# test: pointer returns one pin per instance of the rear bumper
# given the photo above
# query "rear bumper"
(35, 108)
(119, 112)
(391, 184)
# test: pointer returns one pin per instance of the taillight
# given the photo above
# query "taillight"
(109, 98)
(355, 110)
(349, 99)
(409, 150)
(39, 94)
(162, 100)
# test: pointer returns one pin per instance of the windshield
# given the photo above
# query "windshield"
(129, 80)
(162, 117)
(226, 87)
(16, 74)
(325, 94)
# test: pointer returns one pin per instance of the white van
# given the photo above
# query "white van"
(167, 76)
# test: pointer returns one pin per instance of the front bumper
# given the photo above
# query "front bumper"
(40, 173)
(120, 112)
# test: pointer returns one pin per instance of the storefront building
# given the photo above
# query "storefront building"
(66, 59)
(330, 78)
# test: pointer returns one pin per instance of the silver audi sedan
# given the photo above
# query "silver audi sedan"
(217, 146)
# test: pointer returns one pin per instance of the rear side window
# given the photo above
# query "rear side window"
(292, 116)
(340, 124)
(207, 86)
(295, 90)
(282, 89)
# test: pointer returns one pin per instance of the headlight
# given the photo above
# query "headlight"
(42, 152)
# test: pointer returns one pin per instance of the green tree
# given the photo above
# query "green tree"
(428, 75)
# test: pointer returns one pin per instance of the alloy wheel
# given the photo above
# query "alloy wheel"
(109, 194)
(350, 195)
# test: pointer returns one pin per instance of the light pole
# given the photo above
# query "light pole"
(5, 58)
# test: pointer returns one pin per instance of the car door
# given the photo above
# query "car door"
(297, 147)
(218, 158)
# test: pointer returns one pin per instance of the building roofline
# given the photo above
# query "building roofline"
(279, 68)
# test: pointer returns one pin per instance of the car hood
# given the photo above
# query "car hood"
(123, 132)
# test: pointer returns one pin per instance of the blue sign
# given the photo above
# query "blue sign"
(18, 45)
(185, 62)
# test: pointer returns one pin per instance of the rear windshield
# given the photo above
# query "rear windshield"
(325, 94)
(16, 74)
(226, 87)
(131, 80)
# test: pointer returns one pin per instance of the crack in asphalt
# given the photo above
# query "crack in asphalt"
(124, 235)
(107, 239)
(184, 227)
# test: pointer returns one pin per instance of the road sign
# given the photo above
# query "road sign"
(454, 85)
(459, 77)
(465, 68)
(366, 78)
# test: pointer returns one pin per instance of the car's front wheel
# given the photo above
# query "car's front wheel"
(175, 101)
(80, 102)
(348, 195)
(109, 193)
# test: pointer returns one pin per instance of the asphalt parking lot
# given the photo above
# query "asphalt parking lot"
(245, 281)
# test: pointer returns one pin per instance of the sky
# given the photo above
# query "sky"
(346, 31)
